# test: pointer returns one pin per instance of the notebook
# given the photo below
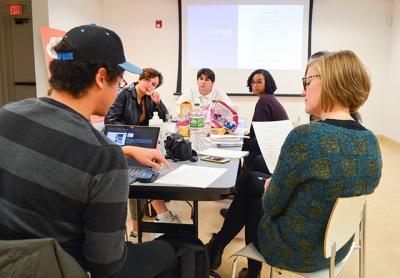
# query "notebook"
(138, 136)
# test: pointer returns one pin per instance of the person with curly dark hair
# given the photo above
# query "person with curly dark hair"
(69, 182)
(268, 108)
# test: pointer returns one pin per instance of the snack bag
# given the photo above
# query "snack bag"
(222, 115)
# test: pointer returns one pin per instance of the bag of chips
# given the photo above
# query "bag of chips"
(222, 115)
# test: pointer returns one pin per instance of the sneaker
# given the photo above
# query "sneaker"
(171, 218)
(132, 236)
(214, 252)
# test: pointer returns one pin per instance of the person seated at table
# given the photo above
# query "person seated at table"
(135, 105)
(268, 108)
(318, 163)
(63, 179)
(204, 92)
(355, 115)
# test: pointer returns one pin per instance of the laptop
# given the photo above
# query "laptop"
(138, 136)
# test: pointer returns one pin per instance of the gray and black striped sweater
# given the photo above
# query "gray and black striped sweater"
(61, 178)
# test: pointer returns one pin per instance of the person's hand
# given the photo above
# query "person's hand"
(155, 97)
(266, 184)
(148, 157)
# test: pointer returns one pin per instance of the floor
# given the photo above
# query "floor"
(383, 225)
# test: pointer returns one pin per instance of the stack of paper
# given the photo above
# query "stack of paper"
(224, 153)
(233, 139)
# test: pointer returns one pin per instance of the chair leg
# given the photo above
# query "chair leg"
(271, 272)
(233, 273)
(362, 242)
(332, 261)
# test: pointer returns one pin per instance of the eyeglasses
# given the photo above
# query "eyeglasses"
(304, 79)
(122, 83)
(258, 82)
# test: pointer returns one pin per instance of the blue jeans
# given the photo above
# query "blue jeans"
(149, 259)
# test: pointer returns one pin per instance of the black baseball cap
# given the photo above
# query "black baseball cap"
(92, 43)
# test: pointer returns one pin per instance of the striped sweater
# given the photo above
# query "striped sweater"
(61, 178)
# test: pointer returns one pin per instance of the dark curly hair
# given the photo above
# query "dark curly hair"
(270, 86)
(76, 77)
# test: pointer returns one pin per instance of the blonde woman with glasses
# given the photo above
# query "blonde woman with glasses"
(319, 162)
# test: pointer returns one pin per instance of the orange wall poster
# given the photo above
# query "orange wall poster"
(50, 37)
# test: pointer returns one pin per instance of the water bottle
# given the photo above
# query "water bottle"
(157, 122)
(196, 125)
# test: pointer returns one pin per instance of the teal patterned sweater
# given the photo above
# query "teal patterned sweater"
(318, 163)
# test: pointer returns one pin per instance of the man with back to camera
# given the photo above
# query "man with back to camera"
(62, 178)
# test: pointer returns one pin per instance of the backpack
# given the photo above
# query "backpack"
(192, 256)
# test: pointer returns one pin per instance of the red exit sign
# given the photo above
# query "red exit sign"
(15, 9)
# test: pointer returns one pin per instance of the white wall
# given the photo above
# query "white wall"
(359, 25)
(65, 14)
(58, 14)
(391, 98)
(145, 45)
(40, 17)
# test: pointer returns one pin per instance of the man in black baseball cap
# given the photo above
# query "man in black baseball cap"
(61, 178)
(91, 43)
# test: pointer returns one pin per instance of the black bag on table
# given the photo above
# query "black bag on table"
(192, 256)
(179, 149)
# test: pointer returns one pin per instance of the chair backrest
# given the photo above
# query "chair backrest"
(344, 221)
(37, 258)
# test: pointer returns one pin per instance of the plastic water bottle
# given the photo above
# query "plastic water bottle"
(196, 125)
(157, 122)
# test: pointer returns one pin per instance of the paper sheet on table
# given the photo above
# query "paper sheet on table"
(193, 176)
(224, 153)
(270, 137)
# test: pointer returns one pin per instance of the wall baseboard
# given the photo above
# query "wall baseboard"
(389, 141)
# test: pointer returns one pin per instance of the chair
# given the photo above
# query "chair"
(347, 218)
(37, 258)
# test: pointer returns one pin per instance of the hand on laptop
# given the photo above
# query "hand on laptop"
(148, 157)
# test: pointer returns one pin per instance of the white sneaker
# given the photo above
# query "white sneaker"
(169, 218)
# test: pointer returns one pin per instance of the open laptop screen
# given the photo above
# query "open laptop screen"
(129, 135)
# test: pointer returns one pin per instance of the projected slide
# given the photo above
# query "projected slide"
(245, 36)
(235, 37)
